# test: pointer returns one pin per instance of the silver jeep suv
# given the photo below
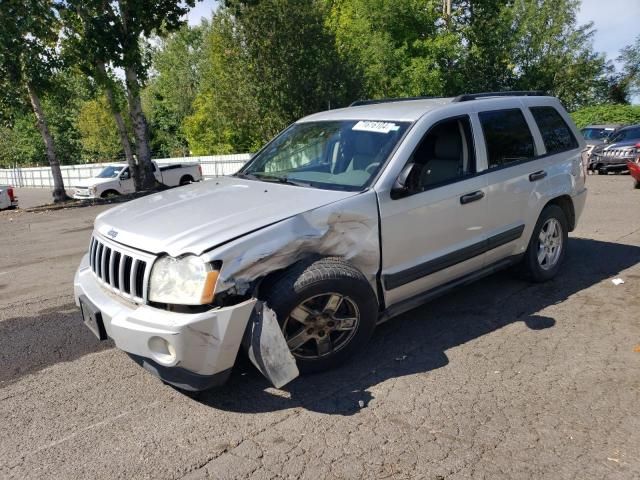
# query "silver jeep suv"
(346, 219)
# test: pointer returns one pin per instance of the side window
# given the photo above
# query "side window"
(555, 132)
(507, 136)
(445, 153)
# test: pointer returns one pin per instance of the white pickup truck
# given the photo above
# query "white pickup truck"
(8, 198)
(115, 179)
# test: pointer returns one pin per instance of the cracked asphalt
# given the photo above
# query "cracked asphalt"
(502, 379)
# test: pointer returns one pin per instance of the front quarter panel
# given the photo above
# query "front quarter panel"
(347, 229)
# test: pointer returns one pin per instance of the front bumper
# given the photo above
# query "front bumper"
(204, 345)
(82, 194)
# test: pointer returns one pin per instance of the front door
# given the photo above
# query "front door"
(435, 233)
(126, 182)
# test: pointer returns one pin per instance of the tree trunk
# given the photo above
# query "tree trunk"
(140, 129)
(122, 128)
(59, 193)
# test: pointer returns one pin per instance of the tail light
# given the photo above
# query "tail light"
(12, 196)
(200, 169)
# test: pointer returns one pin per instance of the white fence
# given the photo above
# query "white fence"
(40, 177)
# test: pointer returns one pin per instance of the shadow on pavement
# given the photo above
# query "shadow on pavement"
(53, 335)
(417, 341)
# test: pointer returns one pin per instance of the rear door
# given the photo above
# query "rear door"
(514, 166)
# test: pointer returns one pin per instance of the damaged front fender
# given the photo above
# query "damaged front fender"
(348, 229)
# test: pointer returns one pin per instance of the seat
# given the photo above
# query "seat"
(446, 162)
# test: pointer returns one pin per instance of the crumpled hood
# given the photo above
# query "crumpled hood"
(90, 182)
(200, 216)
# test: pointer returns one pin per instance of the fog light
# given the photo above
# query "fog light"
(162, 350)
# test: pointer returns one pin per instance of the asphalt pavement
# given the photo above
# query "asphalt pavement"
(503, 379)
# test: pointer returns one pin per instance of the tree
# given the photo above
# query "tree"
(99, 134)
(173, 85)
(266, 64)
(112, 33)
(28, 58)
(398, 48)
(630, 59)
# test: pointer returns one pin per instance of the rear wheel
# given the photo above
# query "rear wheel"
(636, 184)
(547, 246)
(327, 311)
(186, 180)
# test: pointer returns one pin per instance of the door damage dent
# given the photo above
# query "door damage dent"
(267, 347)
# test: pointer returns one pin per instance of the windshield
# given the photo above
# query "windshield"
(337, 155)
(624, 135)
(595, 133)
(110, 172)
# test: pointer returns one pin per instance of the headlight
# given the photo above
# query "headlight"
(93, 190)
(185, 280)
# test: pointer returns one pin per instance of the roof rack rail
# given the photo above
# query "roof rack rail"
(515, 93)
(358, 103)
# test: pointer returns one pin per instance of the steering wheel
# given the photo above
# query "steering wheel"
(372, 167)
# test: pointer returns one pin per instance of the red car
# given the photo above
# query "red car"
(634, 170)
(634, 167)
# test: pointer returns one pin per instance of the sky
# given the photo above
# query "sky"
(617, 22)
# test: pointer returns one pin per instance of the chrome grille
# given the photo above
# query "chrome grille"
(122, 270)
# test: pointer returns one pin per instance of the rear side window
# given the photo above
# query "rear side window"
(507, 136)
(556, 134)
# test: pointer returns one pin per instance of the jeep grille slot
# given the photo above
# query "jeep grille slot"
(122, 271)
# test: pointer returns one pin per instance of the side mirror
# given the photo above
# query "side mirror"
(400, 187)
(125, 176)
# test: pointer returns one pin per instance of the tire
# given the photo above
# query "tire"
(186, 180)
(603, 171)
(322, 337)
(636, 184)
(109, 194)
(541, 271)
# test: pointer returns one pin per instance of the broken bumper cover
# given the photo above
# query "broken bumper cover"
(190, 351)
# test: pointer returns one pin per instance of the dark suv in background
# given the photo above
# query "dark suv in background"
(617, 149)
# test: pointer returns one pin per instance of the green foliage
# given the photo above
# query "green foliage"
(168, 98)
(400, 47)
(609, 113)
(98, 134)
(630, 58)
(231, 84)
(264, 67)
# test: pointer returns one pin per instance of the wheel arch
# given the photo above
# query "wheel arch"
(106, 193)
(566, 204)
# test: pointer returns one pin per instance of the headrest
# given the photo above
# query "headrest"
(448, 146)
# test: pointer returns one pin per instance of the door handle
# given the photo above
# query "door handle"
(537, 176)
(471, 197)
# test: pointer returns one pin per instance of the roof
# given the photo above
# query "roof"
(399, 111)
(605, 125)
(411, 109)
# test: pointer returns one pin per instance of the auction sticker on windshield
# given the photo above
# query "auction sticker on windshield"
(377, 127)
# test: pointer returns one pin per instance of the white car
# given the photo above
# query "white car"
(348, 218)
(8, 198)
(116, 179)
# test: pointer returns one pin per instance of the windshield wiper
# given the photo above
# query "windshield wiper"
(279, 179)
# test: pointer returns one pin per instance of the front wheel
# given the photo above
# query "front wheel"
(547, 246)
(327, 312)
